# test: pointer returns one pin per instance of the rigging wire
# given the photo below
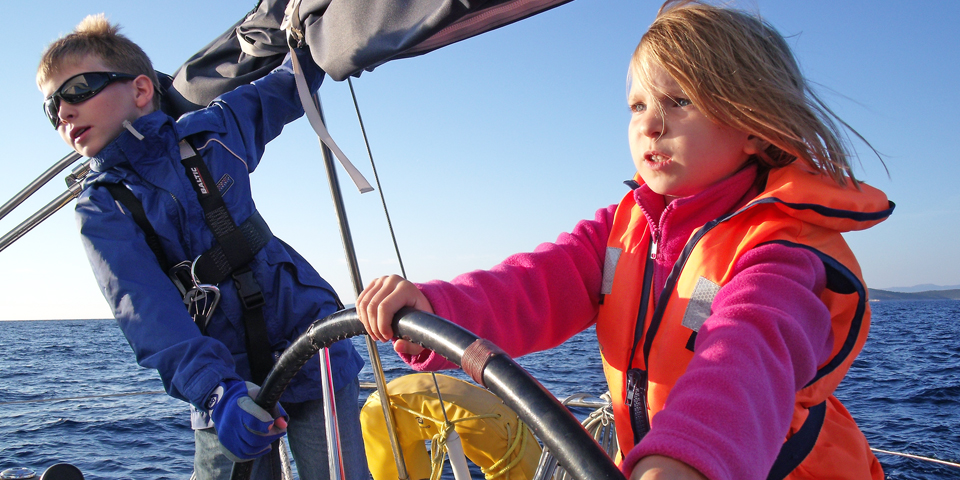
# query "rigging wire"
(393, 235)
(376, 178)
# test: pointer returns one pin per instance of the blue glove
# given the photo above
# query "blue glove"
(245, 430)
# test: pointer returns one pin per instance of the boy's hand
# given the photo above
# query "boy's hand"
(380, 301)
(244, 429)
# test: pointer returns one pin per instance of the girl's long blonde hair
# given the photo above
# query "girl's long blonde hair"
(739, 71)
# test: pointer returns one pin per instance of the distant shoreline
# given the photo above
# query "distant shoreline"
(886, 295)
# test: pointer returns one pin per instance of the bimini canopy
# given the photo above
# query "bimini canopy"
(345, 38)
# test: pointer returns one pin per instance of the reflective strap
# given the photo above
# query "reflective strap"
(699, 306)
(610, 261)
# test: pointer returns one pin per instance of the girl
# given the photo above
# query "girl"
(727, 305)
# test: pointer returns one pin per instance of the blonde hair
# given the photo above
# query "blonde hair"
(739, 71)
(95, 36)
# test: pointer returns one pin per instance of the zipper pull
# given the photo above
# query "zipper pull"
(133, 131)
(636, 402)
(631, 388)
(653, 246)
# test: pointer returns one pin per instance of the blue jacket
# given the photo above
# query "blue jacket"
(230, 135)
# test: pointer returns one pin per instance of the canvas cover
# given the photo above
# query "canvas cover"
(345, 38)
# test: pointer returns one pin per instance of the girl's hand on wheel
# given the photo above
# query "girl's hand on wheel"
(379, 302)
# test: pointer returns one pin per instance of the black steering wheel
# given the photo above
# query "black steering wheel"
(560, 431)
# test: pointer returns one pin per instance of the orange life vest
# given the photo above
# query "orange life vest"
(643, 360)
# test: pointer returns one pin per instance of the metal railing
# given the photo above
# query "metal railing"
(73, 180)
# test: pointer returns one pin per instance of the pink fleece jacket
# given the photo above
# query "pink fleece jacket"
(728, 414)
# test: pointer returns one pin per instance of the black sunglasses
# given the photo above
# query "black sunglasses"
(78, 88)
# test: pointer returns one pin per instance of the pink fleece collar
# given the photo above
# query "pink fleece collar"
(672, 224)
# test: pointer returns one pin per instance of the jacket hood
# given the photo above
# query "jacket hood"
(816, 198)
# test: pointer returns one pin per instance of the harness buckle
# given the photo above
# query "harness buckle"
(180, 276)
(201, 301)
(248, 289)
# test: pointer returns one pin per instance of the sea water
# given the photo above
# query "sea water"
(903, 390)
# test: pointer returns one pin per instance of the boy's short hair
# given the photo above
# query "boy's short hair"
(95, 36)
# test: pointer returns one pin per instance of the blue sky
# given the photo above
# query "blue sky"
(495, 144)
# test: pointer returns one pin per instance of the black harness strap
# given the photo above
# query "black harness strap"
(129, 200)
(259, 353)
(230, 256)
(234, 249)
(214, 266)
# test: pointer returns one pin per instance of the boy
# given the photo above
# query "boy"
(101, 95)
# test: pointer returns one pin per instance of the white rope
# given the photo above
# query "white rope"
(286, 471)
(918, 457)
